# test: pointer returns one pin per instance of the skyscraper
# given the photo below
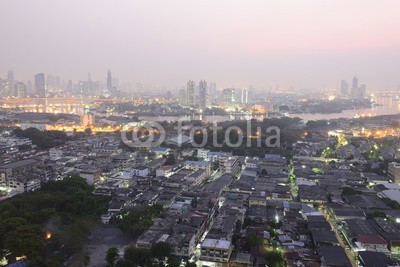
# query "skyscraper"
(212, 93)
(355, 83)
(229, 96)
(344, 88)
(11, 85)
(109, 82)
(21, 90)
(183, 97)
(245, 96)
(40, 85)
(354, 87)
(362, 91)
(190, 93)
(29, 88)
(202, 94)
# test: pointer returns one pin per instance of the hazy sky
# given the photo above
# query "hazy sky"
(300, 43)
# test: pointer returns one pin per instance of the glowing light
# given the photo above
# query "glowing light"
(48, 235)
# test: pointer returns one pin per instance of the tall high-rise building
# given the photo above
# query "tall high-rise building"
(355, 83)
(29, 88)
(190, 93)
(109, 82)
(40, 85)
(53, 83)
(202, 94)
(212, 91)
(11, 83)
(229, 96)
(344, 88)
(69, 86)
(362, 91)
(354, 87)
(245, 96)
(21, 90)
(3, 88)
(183, 97)
(235, 96)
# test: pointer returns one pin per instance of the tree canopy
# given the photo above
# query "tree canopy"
(52, 223)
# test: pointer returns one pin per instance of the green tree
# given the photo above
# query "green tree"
(170, 160)
(172, 262)
(247, 222)
(111, 256)
(138, 256)
(25, 240)
(375, 214)
(160, 250)
(275, 259)
(190, 264)
(252, 240)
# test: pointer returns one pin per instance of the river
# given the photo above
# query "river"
(383, 106)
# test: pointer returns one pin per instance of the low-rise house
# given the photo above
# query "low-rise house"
(373, 242)
(216, 250)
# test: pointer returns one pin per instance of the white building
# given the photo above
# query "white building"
(394, 172)
(216, 250)
(251, 163)
(202, 153)
(55, 154)
(141, 171)
(198, 165)
(229, 165)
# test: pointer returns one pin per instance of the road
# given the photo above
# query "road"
(351, 254)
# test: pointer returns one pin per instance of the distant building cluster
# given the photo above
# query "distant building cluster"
(355, 91)
(235, 96)
(51, 85)
(200, 95)
(203, 95)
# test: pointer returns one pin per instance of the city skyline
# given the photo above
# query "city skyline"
(303, 45)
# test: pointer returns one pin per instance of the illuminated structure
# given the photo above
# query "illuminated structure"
(87, 119)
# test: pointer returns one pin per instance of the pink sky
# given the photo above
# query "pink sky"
(300, 43)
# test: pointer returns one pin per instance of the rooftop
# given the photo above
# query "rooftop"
(216, 243)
